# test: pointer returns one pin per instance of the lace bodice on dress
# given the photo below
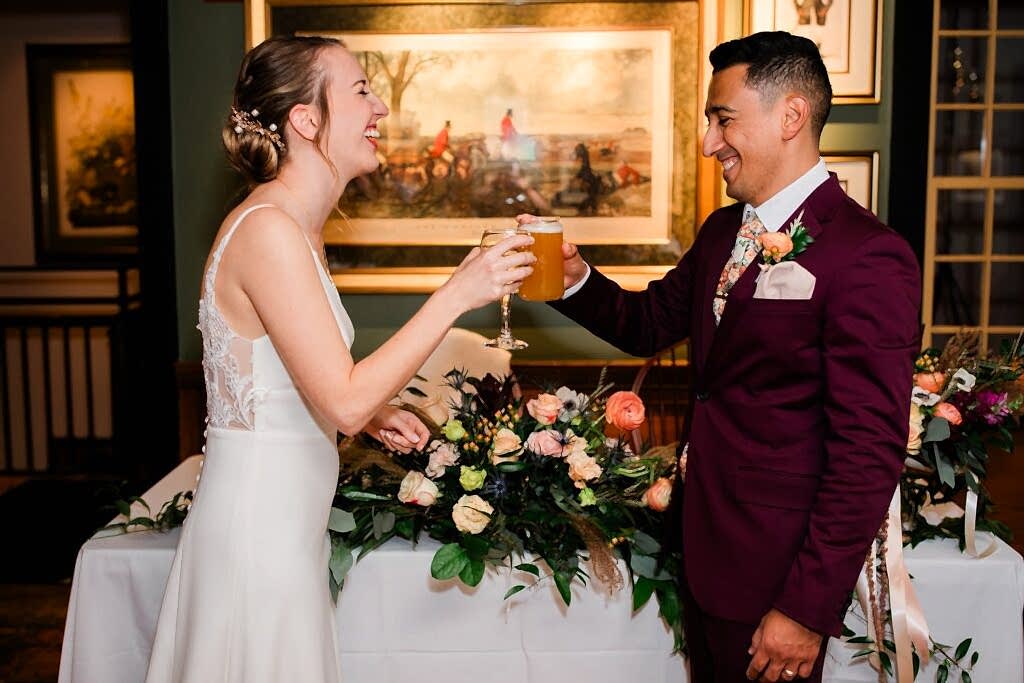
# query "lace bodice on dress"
(233, 394)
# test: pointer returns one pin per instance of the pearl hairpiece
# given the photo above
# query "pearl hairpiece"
(247, 121)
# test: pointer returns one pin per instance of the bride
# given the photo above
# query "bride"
(247, 599)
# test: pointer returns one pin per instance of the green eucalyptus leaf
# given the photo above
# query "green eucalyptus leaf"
(341, 561)
(962, 649)
(942, 673)
(965, 677)
(668, 603)
(883, 657)
(562, 584)
(415, 392)
(642, 591)
(862, 653)
(645, 543)
(511, 466)
(645, 565)
(975, 657)
(946, 474)
(513, 590)
(530, 568)
(341, 521)
(861, 639)
(383, 523)
(448, 562)
(938, 430)
(365, 495)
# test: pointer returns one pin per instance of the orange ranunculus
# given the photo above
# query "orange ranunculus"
(659, 494)
(930, 381)
(949, 412)
(625, 410)
(775, 246)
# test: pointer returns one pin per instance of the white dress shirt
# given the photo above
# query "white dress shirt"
(773, 213)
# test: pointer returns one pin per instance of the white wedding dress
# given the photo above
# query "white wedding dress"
(247, 600)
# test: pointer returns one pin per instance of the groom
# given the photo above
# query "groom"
(801, 372)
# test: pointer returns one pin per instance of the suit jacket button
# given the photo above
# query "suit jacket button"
(703, 395)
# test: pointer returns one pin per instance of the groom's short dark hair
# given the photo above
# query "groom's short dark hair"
(778, 61)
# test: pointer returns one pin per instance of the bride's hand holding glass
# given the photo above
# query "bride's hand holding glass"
(488, 274)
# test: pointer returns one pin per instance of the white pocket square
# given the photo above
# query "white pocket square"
(786, 280)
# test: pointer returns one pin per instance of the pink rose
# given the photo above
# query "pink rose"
(417, 490)
(444, 455)
(546, 442)
(931, 382)
(949, 412)
(775, 246)
(625, 410)
(582, 468)
(659, 494)
(545, 408)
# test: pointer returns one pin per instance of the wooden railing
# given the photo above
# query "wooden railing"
(69, 372)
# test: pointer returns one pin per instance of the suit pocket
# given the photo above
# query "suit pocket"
(772, 488)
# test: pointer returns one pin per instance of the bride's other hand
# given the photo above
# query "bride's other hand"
(399, 430)
(486, 275)
(574, 267)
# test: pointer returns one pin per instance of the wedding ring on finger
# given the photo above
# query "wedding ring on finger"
(788, 674)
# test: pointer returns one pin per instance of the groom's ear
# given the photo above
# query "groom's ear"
(796, 115)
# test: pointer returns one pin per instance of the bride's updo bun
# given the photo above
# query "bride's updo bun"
(276, 75)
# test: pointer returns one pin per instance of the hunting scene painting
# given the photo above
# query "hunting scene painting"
(488, 125)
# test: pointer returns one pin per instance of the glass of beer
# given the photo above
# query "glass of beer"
(504, 340)
(547, 282)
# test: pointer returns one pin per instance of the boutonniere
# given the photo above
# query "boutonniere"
(777, 247)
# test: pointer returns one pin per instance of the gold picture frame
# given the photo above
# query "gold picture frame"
(848, 33)
(403, 258)
(857, 172)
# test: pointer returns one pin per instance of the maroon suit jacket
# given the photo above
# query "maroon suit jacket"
(799, 409)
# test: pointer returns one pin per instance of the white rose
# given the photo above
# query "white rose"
(505, 442)
(417, 490)
(923, 397)
(471, 514)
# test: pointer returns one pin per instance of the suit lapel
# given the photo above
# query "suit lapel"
(816, 210)
(718, 251)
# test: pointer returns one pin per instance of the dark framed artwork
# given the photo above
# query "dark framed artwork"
(85, 185)
(585, 110)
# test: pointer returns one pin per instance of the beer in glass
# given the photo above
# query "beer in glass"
(547, 282)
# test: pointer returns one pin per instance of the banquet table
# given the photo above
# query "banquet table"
(396, 623)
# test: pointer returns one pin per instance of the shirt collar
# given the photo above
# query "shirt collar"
(774, 212)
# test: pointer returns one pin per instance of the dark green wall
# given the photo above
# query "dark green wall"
(206, 42)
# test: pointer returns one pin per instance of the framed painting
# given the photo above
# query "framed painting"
(587, 111)
(83, 152)
(847, 32)
(858, 174)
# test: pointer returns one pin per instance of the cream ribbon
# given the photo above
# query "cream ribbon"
(908, 622)
(970, 528)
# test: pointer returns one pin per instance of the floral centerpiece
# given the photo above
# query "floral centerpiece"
(539, 489)
(964, 406)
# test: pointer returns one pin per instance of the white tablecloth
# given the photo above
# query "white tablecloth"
(396, 624)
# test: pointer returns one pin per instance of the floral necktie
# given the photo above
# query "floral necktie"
(746, 250)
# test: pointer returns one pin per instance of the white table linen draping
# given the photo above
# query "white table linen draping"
(397, 624)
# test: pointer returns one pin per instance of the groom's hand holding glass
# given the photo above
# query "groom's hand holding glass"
(574, 268)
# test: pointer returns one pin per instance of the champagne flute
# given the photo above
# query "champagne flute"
(504, 340)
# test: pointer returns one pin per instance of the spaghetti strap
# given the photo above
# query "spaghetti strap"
(211, 272)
